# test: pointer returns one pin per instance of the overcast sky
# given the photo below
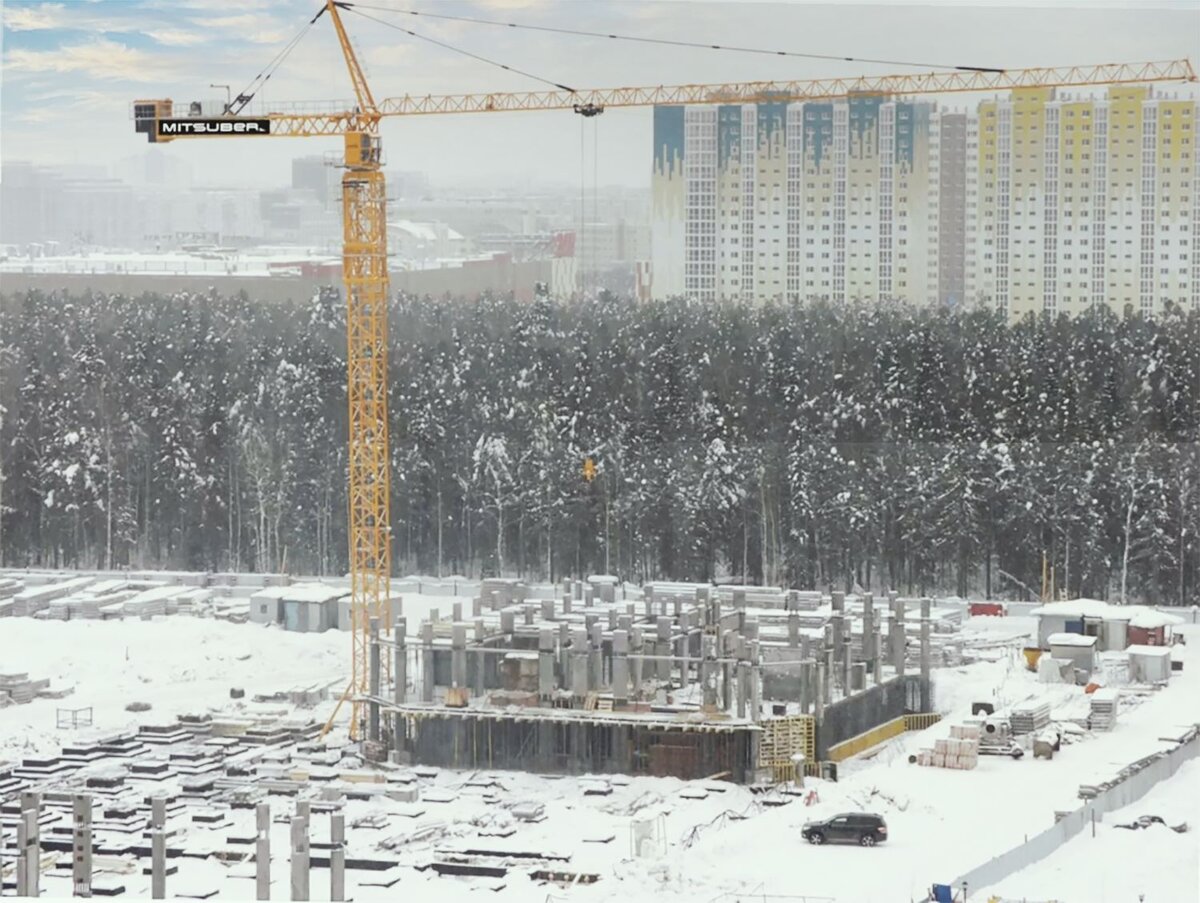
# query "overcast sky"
(71, 68)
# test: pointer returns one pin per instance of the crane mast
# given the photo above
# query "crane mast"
(365, 274)
(364, 255)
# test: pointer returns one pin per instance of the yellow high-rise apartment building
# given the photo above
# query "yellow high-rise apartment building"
(1030, 203)
(1078, 202)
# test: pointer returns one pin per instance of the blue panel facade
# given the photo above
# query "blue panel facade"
(818, 130)
(668, 139)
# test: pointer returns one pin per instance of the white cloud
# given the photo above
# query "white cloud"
(36, 18)
(176, 37)
(99, 59)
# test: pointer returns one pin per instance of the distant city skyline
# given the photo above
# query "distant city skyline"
(72, 69)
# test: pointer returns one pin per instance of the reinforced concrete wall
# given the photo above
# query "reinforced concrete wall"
(474, 739)
(863, 711)
(1119, 794)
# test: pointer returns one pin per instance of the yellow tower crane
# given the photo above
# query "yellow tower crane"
(365, 234)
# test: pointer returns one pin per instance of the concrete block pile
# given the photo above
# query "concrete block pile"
(18, 689)
(959, 751)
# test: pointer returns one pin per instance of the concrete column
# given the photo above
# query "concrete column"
(858, 676)
(595, 656)
(648, 602)
(158, 848)
(620, 667)
(613, 618)
(685, 639)
(926, 652)
(898, 650)
(480, 672)
(566, 602)
(793, 629)
(547, 609)
(589, 596)
(458, 655)
(837, 623)
(726, 671)
(546, 662)
(81, 853)
(805, 646)
(846, 657)
(262, 851)
(579, 662)
(456, 611)
(476, 607)
(662, 647)
(755, 683)
(829, 666)
(564, 654)
(400, 662)
(868, 635)
(300, 856)
(337, 856)
(528, 612)
(508, 622)
(29, 846)
(821, 688)
(743, 687)
(373, 673)
(636, 665)
(427, 667)
(708, 671)
(877, 642)
(807, 679)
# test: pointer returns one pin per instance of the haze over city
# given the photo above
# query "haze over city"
(72, 69)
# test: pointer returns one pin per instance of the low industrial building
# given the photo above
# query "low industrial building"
(1115, 627)
(303, 607)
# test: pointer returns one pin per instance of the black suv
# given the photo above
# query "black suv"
(853, 827)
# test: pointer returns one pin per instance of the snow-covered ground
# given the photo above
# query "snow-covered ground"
(1155, 863)
(177, 665)
(942, 822)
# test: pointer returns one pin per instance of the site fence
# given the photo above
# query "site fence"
(1134, 782)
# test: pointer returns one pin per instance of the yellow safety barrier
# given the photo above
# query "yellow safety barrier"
(920, 721)
(866, 740)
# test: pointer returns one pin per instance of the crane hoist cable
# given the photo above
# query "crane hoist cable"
(259, 81)
(451, 47)
(698, 45)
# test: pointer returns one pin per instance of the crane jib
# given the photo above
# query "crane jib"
(185, 127)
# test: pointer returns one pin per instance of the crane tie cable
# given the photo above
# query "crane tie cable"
(475, 56)
(247, 94)
(667, 41)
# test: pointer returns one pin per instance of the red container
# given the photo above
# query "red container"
(993, 609)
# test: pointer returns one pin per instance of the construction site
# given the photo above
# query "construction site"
(682, 713)
(188, 735)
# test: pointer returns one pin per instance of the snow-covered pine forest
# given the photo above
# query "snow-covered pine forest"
(811, 445)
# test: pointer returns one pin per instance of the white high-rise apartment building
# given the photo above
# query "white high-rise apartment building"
(1028, 203)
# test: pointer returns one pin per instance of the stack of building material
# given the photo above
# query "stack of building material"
(1105, 703)
(88, 607)
(1028, 717)
(958, 751)
(29, 602)
(9, 587)
(193, 602)
(151, 602)
(17, 687)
